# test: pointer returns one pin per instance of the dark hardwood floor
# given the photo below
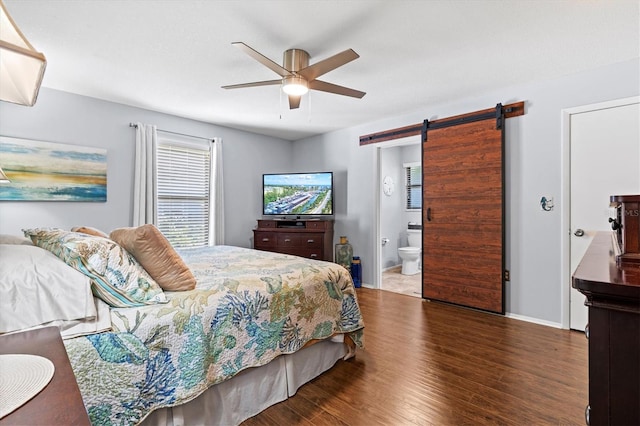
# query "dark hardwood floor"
(431, 363)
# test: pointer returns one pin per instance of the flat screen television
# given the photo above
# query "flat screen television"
(297, 194)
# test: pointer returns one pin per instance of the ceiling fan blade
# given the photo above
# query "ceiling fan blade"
(294, 101)
(254, 84)
(316, 70)
(278, 69)
(323, 86)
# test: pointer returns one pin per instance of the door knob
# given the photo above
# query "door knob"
(579, 232)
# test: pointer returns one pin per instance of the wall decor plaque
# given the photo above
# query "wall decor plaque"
(47, 171)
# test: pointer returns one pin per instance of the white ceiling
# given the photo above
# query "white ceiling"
(173, 56)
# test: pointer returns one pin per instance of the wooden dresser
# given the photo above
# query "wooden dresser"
(306, 238)
(613, 298)
(59, 403)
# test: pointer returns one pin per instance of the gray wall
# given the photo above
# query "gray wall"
(392, 207)
(394, 216)
(533, 152)
(67, 118)
(534, 169)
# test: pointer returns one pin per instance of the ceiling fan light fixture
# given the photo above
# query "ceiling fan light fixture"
(295, 85)
(21, 66)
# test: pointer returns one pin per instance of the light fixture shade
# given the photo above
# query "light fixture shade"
(21, 66)
(294, 85)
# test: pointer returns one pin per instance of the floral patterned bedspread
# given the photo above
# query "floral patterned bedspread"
(248, 308)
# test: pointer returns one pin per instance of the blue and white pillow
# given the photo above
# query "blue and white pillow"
(117, 277)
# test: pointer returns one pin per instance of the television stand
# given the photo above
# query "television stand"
(310, 238)
(285, 223)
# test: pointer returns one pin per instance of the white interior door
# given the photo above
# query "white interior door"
(605, 161)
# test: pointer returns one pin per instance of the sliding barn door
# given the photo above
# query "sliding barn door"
(463, 210)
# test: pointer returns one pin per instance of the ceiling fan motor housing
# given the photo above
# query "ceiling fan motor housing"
(295, 59)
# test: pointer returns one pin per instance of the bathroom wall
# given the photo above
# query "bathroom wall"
(394, 217)
(391, 207)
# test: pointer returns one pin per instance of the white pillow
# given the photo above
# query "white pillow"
(38, 288)
(15, 239)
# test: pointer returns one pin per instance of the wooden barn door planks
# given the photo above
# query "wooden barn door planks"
(463, 210)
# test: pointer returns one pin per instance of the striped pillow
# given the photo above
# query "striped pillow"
(116, 276)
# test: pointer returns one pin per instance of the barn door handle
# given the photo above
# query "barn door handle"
(428, 214)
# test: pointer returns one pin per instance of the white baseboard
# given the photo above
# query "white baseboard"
(534, 320)
(391, 267)
(510, 315)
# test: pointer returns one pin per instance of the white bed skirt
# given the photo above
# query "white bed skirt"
(253, 390)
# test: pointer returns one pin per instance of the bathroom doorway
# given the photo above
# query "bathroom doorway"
(393, 215)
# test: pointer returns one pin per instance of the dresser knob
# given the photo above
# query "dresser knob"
(313, 256)
(265, 240)
(310, 241)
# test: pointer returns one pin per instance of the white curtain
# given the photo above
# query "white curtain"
(217, 208)
(144, 183)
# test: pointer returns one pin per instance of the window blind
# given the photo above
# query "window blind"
(184, 179)
(414, 187)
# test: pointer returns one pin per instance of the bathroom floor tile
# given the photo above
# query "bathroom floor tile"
(393, 280)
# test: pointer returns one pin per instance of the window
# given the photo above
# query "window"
(184, 171)
(413, 173)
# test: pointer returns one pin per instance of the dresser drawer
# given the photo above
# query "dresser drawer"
(302, 240)
(264, 239)
(319, 224)
(311, 240)
(267, 224)
(310, 253)
(289, 240)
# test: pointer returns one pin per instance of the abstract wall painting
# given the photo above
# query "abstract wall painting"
(46, 171)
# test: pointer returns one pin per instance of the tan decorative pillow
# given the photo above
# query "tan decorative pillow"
(155, 253)
(89, 231)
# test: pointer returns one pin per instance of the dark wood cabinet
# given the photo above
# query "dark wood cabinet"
(613, 297)
(306, 238)
(59, 403)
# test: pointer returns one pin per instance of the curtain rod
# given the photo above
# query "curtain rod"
(175, 133)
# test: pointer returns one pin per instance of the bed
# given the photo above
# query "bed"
(256, 326)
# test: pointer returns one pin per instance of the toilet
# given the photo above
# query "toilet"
(411, 255)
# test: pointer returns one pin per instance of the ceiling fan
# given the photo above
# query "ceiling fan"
(298, 76)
